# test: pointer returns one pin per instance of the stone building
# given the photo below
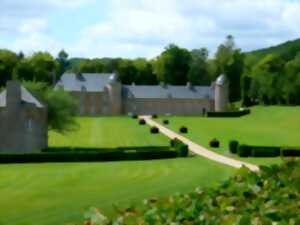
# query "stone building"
(23, 120)
(103, 94)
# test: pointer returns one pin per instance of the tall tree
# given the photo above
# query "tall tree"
(8, 61)
(198, 72)
(230, 61)
(172, 66)
(63, 62)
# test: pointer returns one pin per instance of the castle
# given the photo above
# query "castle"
(104, 95)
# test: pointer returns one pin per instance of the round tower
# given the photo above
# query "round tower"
(115, 95)
(221, 94)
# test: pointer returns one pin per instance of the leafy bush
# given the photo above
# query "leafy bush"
(233, 146)
(183, 130)
(154, 116)
(214, 143)
(166, 122)
(244, 151)
(269, 197)
(142, 122)
(154, 130)
(229, 114)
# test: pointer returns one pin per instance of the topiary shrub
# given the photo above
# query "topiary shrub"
(244, 151)
(233, 146)
(183, 130)
(142, 122)
(290, 152)
(154, 116)
(173, 142)
(134, 116)
(183, 150)
(154, 130)
(214, 143)
(166, 122)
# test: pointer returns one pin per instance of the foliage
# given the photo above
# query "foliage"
(230, 61)
(154, 130)
(142, 122)
(8, 61)
(181, 148)
(172, 66)
(63, 62)
(166, 122)
(61, 106)
(268, 197)
(229, 114)
(183, 130)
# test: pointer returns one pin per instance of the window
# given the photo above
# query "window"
(29, 125)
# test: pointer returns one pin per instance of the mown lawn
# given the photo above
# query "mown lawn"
(107, 132)
(54, 194)
(270, 126)
(48, 194)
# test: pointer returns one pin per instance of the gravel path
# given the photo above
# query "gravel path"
(199, 150)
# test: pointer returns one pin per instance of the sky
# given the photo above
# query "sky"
(143, 28)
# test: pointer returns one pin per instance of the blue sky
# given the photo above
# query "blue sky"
(142, 28)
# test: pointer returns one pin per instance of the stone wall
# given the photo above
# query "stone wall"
(27, 129)
(180, 107)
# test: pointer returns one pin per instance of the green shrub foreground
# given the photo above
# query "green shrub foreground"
(269, 197)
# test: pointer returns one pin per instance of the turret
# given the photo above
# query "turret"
(221, 94)
(115, 95)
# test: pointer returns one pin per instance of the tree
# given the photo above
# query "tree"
(172, 65)
(91, 66)
(63, 62)
(62, 107)
(144, 72)
(8, 61)
(40, 67)
(198, 72)
(230, 61)
(127, 71)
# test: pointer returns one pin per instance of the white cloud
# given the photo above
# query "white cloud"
(144, 27)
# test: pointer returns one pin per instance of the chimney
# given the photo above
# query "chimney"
(13, 94)
(189, 85)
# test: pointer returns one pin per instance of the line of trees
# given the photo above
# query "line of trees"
(268, 80)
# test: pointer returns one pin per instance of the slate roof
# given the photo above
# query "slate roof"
(168, 91)
(26, 97)
(86, 81)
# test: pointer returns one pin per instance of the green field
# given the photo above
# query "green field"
(48, 194)
(108, 133)
(274, 126)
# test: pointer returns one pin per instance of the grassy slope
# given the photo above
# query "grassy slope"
(265, 126)
(48, 194)
(108, 132)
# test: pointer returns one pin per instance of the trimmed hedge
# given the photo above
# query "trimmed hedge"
(233, 146)
(258, 151)
(214, 143)
(166, 122)
(154, 130)
(134, 116)
(229, 114)
(181, 148)
(290, 152)
(85, 157)
(183, 130)
(244, 151)
(142, 122)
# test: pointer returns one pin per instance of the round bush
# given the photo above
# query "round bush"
(233, 146)
(214, 143)
(183, 130)
(154, 130)
(154, 116)
(166, 122)
(142, 122)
